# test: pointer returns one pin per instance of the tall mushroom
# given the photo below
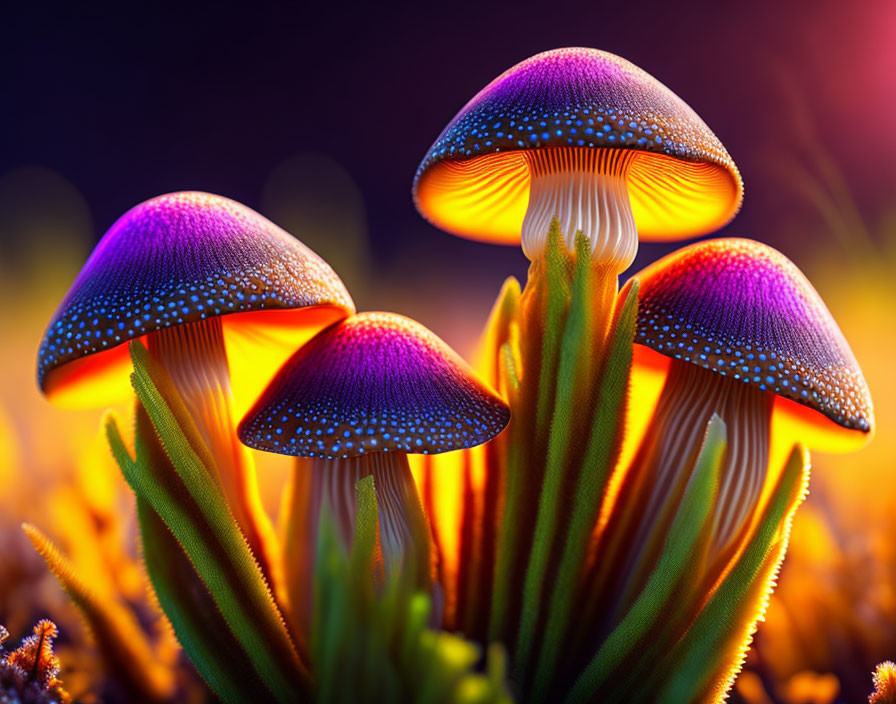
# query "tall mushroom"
(210, 286)
(357, 399)
(738, 331)
(588, 138)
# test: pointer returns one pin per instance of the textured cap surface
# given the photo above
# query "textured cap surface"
(683, 182)
(742, 309)
(374, 382)
(178, 258)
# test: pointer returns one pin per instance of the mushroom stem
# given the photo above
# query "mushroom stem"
(403, 531)
(585, 189)
(195, 358)
(403, 535)
(662, 467)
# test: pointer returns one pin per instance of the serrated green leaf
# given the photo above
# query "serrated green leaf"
(201, 630)
(703, 656)
(690, 522)
(575, 353)
(366, 519)
(189, 502)
(596, 468)
(557, 292)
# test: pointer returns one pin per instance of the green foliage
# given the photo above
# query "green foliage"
(595, 472)
(690, 524)
(711, 652)
(528, 430)
(371, 641)
(184, 495)
(575, 360)
(558, 296)
(581, 400)
(193, 614)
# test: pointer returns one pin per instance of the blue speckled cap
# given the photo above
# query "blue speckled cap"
(474, 180)
(743, 310)
(180, 258)
(375, 382)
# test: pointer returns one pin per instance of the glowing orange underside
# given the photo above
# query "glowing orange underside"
(485, 198)
(258, 343)
(792, 422)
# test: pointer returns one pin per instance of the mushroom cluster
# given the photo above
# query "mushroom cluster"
(577, 154)
(619, 539)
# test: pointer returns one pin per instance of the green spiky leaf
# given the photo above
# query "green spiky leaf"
(184, 494)
(200, 629)
(371, 641)
(599, 459)
(574, 358)
(690, 523)
(702, 664)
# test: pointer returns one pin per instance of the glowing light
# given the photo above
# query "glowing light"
(486, 198)
(475, 179)
(258, 343)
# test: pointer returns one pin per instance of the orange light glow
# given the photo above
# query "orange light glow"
(485, 198)
(813, 429)
(91, 382)
(441, 479)
(9, 460)
(649, 370)
(792, 421)
(258, 343)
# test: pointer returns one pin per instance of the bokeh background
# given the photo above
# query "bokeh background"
(317, 115)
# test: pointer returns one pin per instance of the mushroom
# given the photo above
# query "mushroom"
(588, 138)
(735, 329)
(357, 399)
(211, 287)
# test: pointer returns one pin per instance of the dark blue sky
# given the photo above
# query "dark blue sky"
(127, 104)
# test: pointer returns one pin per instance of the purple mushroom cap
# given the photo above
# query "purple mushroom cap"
(473, 180)
(743, 310)
(374, 382)
(180, 258)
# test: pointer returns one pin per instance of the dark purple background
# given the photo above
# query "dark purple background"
(128, 104)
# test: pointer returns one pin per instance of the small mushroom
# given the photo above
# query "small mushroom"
(588, 138)
(740, 332)
(211, 287)
(357, 399)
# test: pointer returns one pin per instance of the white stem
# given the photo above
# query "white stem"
(195, 358)
(584, 189)
(746, 464)
(662, 468)
(689, 399)
(403, 530)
